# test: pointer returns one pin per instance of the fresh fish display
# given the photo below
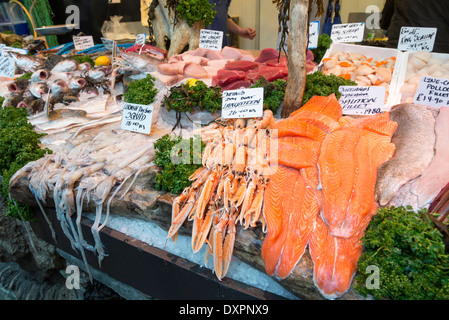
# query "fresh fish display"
(99, 170)
(414, 140)
(333, 219)
(436, 175)
(311, 182)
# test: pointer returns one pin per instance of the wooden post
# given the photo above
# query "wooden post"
(297, 50)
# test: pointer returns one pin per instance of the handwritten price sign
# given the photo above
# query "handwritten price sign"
(211, 39)
(359, 100)
(137, 118)
(348, 32)
(141, 38)
(243, 103)
(7, 67)
(314, 32)
(83, 43)
(433, 92)
(417, 39)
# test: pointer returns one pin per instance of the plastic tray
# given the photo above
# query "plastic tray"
(402, 76)
(377, 53)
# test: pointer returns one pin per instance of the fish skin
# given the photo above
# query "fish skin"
(436, 175)
(26, 63)
(142, 62)
(414, 140)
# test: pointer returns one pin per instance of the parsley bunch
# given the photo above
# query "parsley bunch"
(196, 10)
(319, 84)
(185, 97)
(274, 92)
(409, 253)
(178, 159)
(19, 144)
(141, 91)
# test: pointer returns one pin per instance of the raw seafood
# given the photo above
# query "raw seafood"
(414, 140)
(436, 176)
(93, 170)
(292, 200)
(422, 63)
(335, 259)
(322, 191)
(228, 189)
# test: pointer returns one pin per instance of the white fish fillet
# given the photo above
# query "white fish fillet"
(414, 140)
(436, 176)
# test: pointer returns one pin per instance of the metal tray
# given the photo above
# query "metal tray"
(55, 30)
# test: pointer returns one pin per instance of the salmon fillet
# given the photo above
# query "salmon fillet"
(326, 106)
(299, 226)
(348, 163)
(291, 206)
(281, 182)
(335, 259)
(297, 153)
(295, 127)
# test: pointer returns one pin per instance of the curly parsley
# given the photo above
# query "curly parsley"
(409, 253)
(196, 10)
(185, 97)
(178, 159)
(141, 91)
(274, 92)
(319, 84)
(19, 144)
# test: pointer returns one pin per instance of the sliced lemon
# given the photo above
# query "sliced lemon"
(102, 61)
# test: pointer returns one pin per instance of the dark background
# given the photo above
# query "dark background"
(93, 13)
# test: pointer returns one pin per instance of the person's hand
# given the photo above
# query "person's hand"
(248, 33)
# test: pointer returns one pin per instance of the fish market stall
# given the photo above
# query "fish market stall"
(136, 174)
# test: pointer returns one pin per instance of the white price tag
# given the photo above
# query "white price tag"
(433, 92)
(360, 100)
(242, 103)
(314, 32)
(83, 43)
(6, 50)
(110, 45)
(137, 118)
(417, 39)
(211, 39)
(7, 67)
(348, 32)
(141, 38)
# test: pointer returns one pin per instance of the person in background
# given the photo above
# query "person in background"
(222, 22)
(412, 13)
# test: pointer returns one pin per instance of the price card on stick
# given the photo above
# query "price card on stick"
(362, 100)
(433, 92)
(110, 45)
(83, 43)
(242, 103)
(314, 32)
(417, 39)
(211, 39)
(7, 67)
(141, 38)
(348, 32)
(137, 118)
